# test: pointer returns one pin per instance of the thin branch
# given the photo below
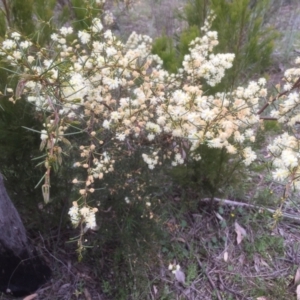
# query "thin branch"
(268, 118)
(295, 86)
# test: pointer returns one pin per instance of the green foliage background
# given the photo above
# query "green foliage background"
(242, 30)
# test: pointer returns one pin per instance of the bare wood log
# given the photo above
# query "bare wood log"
(235, 203)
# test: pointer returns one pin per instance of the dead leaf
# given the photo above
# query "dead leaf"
(179, 239)
(225, 256)
(155, 289)
(242, 259)
(297, 276)
(240, 231)
(180, 276)
(30, 297)
(264, 263)
(87, 294)
(298, 292)
(262, 298)
(219, 216)
(62, 290)
(281, 232)
(188, 293)
(257, 263)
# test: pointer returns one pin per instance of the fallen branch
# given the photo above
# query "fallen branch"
(235, 203)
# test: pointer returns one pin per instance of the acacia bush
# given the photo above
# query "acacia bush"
(124, 102)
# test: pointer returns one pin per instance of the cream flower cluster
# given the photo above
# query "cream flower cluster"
(151, 160)
(202, 63)
(83, 214)
(102, 166)
(285, 150)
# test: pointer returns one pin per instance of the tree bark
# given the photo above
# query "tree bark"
(12, 231)
(22, 270)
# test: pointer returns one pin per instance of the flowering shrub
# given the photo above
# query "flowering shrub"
(119, 96)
